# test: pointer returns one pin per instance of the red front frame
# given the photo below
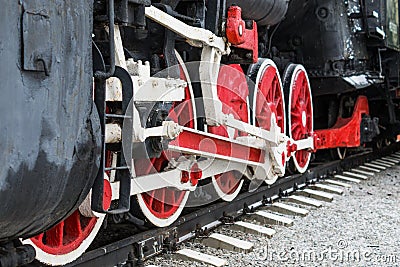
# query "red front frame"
(346, 131)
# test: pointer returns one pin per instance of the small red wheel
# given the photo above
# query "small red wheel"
(267, 101)
(163, 206)
(70, 238)
(300, 111)
(233, 92)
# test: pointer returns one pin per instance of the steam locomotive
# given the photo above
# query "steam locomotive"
(138, 108)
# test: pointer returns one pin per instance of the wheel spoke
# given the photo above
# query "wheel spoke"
(39, 237)
(297, 105)
(54, 237)
(173, 198)
(152, 196)
(162, 200)
(273, 90)
(295, 115)
(173, 114)
(73, 225)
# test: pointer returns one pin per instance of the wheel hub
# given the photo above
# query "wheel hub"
(304, 118)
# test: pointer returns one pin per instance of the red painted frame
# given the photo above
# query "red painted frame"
(226, 148)
(345, 132)
(245, 38)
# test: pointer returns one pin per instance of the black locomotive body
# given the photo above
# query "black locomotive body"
(346, 39)
(50, 136)
(345, 46)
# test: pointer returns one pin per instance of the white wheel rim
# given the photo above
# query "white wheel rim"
(224, 196)
(297, 69)
(272, 177)
(162, 222)
(51, 259)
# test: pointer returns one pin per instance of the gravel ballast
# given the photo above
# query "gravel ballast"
(359, 228)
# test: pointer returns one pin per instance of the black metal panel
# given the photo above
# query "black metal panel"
(391, 24)
(264, 12)
(49, 148)
(37, 51)
(213, 15)
(326, 37)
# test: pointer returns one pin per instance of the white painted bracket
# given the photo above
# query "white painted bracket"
(158, 89)
(195, 36)
(307, 143)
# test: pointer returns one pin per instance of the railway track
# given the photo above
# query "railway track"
(136, 246)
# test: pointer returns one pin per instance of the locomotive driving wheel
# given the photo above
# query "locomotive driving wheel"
(70, 238)
(268, 100)
(161, 207)
(232, 90)
(300, 111)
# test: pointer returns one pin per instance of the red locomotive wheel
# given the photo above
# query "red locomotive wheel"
(163, 206)
(269, 98)
(268, 102)
(300, 111)
(233, 92)
(70, 238)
